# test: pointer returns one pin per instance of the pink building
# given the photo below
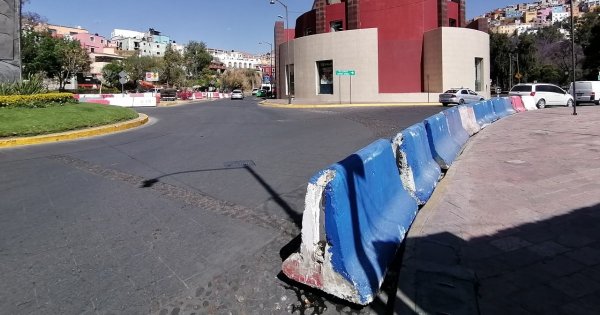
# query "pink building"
(101, 50)
(94, 43)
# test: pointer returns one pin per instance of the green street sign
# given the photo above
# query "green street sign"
(345, 72)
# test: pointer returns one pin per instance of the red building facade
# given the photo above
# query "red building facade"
(401, 26)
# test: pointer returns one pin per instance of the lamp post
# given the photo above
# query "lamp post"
(271, 62)
(573, 57)
(287, 48)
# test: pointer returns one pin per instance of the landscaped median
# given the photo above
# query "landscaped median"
(39, 118)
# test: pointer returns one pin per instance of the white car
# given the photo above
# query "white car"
(237, 94)
(459, 96)
(544, 94)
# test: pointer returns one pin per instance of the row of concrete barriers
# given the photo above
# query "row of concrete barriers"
(358, 211)
(141, 99)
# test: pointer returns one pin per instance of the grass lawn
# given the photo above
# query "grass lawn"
(15, 122)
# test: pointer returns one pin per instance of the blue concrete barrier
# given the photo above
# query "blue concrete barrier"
(500, 107)
(490, 112)
(443, 147)
(457, 131)
(481, 114)
(367, 213)
(419, 171)
(508, 105)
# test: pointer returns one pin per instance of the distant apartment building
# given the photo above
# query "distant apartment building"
(149, 44)
(101, 50)
(560, 16)
(60, 30)
(513, 29)
(232, 59)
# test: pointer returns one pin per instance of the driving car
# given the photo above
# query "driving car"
(544, 94)
(254, 90)
(261, 93)
(237, 94)
(459, 96)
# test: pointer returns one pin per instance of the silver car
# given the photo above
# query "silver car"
(237, 95)
(460, 96)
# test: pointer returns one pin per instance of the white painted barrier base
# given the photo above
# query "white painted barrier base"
(529, 102)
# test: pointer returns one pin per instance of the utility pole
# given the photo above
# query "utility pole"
(573, 57)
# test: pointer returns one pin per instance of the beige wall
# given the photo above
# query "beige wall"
(449, 58)
(349, 50)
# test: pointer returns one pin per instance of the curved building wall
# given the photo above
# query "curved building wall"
(451, 58)
(447, 63)
(349, 50)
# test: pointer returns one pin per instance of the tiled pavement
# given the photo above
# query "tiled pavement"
(514, 227)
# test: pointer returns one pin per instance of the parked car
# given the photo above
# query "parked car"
(237, 94)
(544, 94)
(459, 96)
(254, 90)
(587, 92)
(261, 93)
(168, 95)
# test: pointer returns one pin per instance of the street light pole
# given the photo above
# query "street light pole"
(573, 57)
(287, 48)
(271, 62)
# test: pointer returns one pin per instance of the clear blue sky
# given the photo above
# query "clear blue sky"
(224, 24)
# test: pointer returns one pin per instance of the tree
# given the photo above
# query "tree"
(500, 50)
(137, 66)
(73, 59)
(196, 58)
(58, 58)
(110, 73)
(588, 36)
(240, 79)
(172, 67)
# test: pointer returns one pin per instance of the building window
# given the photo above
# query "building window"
(290, 69)
(325, 79)
(91, 38)
(478, 74)
(336, 26)
(92, 49)
(452, 23)
(158, 52)
(309, 31)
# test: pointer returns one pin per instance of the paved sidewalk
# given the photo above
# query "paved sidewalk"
(514, 228)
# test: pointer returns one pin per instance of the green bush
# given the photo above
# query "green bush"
(36, 100)
(33, 85)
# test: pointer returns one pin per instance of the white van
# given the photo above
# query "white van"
(587, 92)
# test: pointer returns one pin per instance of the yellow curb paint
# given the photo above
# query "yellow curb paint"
(75, 134)
(303, 106)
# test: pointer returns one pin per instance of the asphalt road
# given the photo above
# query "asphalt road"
(191, 213)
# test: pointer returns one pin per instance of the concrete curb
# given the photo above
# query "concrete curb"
(75, 134)
(308, 106)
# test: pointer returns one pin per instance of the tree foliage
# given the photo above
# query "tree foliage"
(110, 73)
(240, 79)
(196, 59)
(171, 69)
(136, 66)
(58, 58)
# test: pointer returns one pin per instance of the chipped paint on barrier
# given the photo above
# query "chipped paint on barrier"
(467, 118)
(312, 266)
(406, 173)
